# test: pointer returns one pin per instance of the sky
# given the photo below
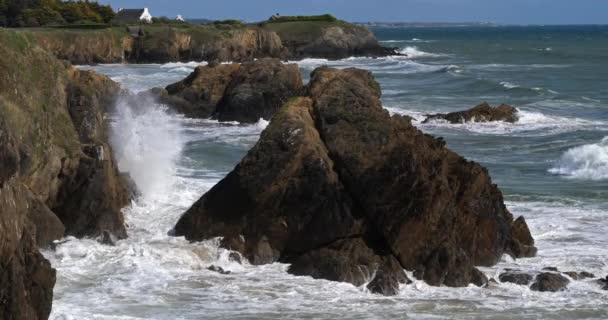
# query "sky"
(496, 11)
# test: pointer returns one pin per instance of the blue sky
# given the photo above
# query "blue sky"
(498, 11)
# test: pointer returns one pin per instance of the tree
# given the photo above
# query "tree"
(3, 11)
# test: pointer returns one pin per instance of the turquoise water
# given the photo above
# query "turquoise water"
(552, 167)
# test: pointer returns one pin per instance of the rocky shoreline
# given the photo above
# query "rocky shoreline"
(222, 43)
(336, 187)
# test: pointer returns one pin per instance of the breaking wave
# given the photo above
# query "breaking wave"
(587, 162)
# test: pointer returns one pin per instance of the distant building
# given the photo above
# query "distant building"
(179, 18)
(133, 16)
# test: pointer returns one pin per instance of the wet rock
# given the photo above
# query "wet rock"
(234, 92)
(579, 275)
(549, 282)
(387, 283)
(235, 257)
(480, 113)
(554, 269)
(521, 244)
(603, 283)
(520, 278)
(306, 195)
(219, 270)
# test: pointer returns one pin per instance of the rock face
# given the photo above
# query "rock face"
(235, 92)
(481, 113)
(51, 120)
(211, 43)
(345, 192)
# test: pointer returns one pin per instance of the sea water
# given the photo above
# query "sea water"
(552, 166)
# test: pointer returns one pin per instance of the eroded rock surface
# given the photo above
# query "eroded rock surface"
(234, 92)
(343, 191)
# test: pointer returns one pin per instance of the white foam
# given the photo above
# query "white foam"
(587, 162)
(146, 141)
(414, 52)
(190, 65)
(530, 123)
(509, 85)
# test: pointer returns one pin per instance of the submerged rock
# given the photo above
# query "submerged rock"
(234, 92)
(603, 283)
(480, 113)
(549, 282)
(219, 270)
(343, 191)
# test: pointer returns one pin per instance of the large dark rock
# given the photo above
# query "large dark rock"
(343, 191)
(234, 92)
(549, 282)
(519, 278)
(481, 113)
(258, 90)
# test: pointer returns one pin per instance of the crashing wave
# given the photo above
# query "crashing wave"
(587, 162)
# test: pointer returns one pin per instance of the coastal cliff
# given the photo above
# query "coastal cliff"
(343, 191)
(57, 174)
(214, 42)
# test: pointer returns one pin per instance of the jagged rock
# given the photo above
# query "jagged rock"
(481, 113)
(579, 275)
(307, 194)
(549, 282)
(522, 243)
(519, 278)
(91, 200)
(554, 269)
(219, 270)
(234, 92)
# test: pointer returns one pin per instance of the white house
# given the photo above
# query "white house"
(179, 18)
(133, 15)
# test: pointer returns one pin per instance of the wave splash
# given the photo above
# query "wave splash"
(147, 142)
(587, 162)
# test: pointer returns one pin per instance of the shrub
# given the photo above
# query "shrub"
(321, 18)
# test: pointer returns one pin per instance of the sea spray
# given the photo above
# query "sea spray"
(147, 141)
(587, 162)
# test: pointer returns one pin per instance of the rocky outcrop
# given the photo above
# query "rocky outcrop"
(342, 191)
(234, 92)
(481, 113)
(331, 41)
(212, 42)
(86, 46)
(51, 117)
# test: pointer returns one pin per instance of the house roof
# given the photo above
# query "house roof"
(129, 14)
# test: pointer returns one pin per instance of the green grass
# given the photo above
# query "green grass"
(320, 18)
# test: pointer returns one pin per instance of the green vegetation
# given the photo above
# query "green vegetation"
(34, 13)
(231, 22)
(321, 18)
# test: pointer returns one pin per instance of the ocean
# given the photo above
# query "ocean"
(552, 167)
